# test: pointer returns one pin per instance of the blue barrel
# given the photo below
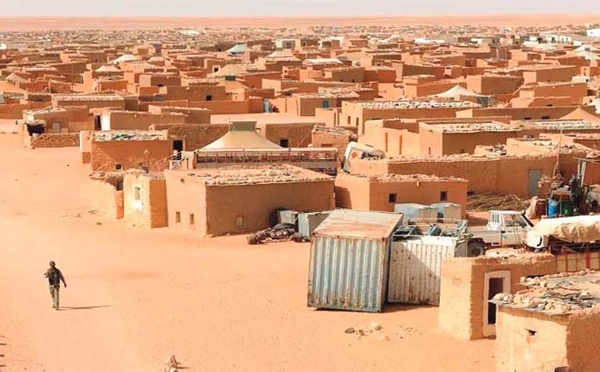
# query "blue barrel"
(552, 208)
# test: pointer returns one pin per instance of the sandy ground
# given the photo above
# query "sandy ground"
(115, 23)
(136, 296)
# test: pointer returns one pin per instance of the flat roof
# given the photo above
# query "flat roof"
(236, 175)
(559, 294)
(390, 105)
(390, 178)
(467, 127)
(129, 135)
(79, 97)
(563, 124)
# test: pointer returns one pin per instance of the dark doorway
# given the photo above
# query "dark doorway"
(496, 286)
(284, 142)
(178, 147)
(97, 123)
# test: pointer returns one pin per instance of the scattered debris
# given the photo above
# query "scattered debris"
(99, 223)
(171, 365)
(278, 232)
(372, 328)
(486, 201)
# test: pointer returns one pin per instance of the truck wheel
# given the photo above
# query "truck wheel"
(475, 249)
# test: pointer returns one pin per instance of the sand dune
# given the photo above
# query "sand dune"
(36, 24)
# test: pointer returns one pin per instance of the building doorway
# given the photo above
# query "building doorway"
(534, 178)
(97, 123)
(177, 149)
(494, 282)
(284, 142)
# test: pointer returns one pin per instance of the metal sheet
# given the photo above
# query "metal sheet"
(415, 267)
(308, 222)
(359, 224)
(348, 273)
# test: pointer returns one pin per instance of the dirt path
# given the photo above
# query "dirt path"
(136, 296)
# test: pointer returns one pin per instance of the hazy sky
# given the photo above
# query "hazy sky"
(266, 8)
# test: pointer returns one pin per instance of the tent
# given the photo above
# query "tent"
(241, 136)
(457, 91)
(238, 49)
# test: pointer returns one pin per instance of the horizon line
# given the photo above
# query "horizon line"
(386, 16)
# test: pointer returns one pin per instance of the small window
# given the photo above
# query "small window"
(209, 97)
(284, 142)
(443, 195)
(527, 118)
(546, 117)
(239, 221)
(119, 166)
(178, 217)
(137, 193)
(462, 151)
(392, 198)
(160, 85)
(119, 186)
(192, 219)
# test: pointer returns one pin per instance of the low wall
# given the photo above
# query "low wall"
(53, 140)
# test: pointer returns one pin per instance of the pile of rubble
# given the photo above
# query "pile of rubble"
(563, 293)
(486, 201)
(371, 329)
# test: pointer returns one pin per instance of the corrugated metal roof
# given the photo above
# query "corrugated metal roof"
(359, 224)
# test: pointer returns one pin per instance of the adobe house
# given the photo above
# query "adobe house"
(528, 168)
(439, 139)
(62, 119)
(336, 137)
(112, 151)
(357, 113)
(287, 134)
(551, 326)
(536, 127)
(145, 199)
(89, 100)
(467, 285)
(134, 120)
(107, 194)
(190, 137)
(241, 199)
(383, 192)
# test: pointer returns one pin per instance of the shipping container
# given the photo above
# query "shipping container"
(416, 212)
(349, 260)
(308, 222)
(449, 211)
(415, 268)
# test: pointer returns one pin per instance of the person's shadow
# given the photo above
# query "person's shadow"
(65, 308)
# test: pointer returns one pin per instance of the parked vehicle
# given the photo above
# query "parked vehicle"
(576, 234)
(504, 229)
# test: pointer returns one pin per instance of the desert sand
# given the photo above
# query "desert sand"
(116, 23)
(136, 296)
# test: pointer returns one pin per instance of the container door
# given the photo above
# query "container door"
(534, 177)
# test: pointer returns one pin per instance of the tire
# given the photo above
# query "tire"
(475, 249)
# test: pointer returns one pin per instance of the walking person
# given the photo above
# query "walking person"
(55, 276)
